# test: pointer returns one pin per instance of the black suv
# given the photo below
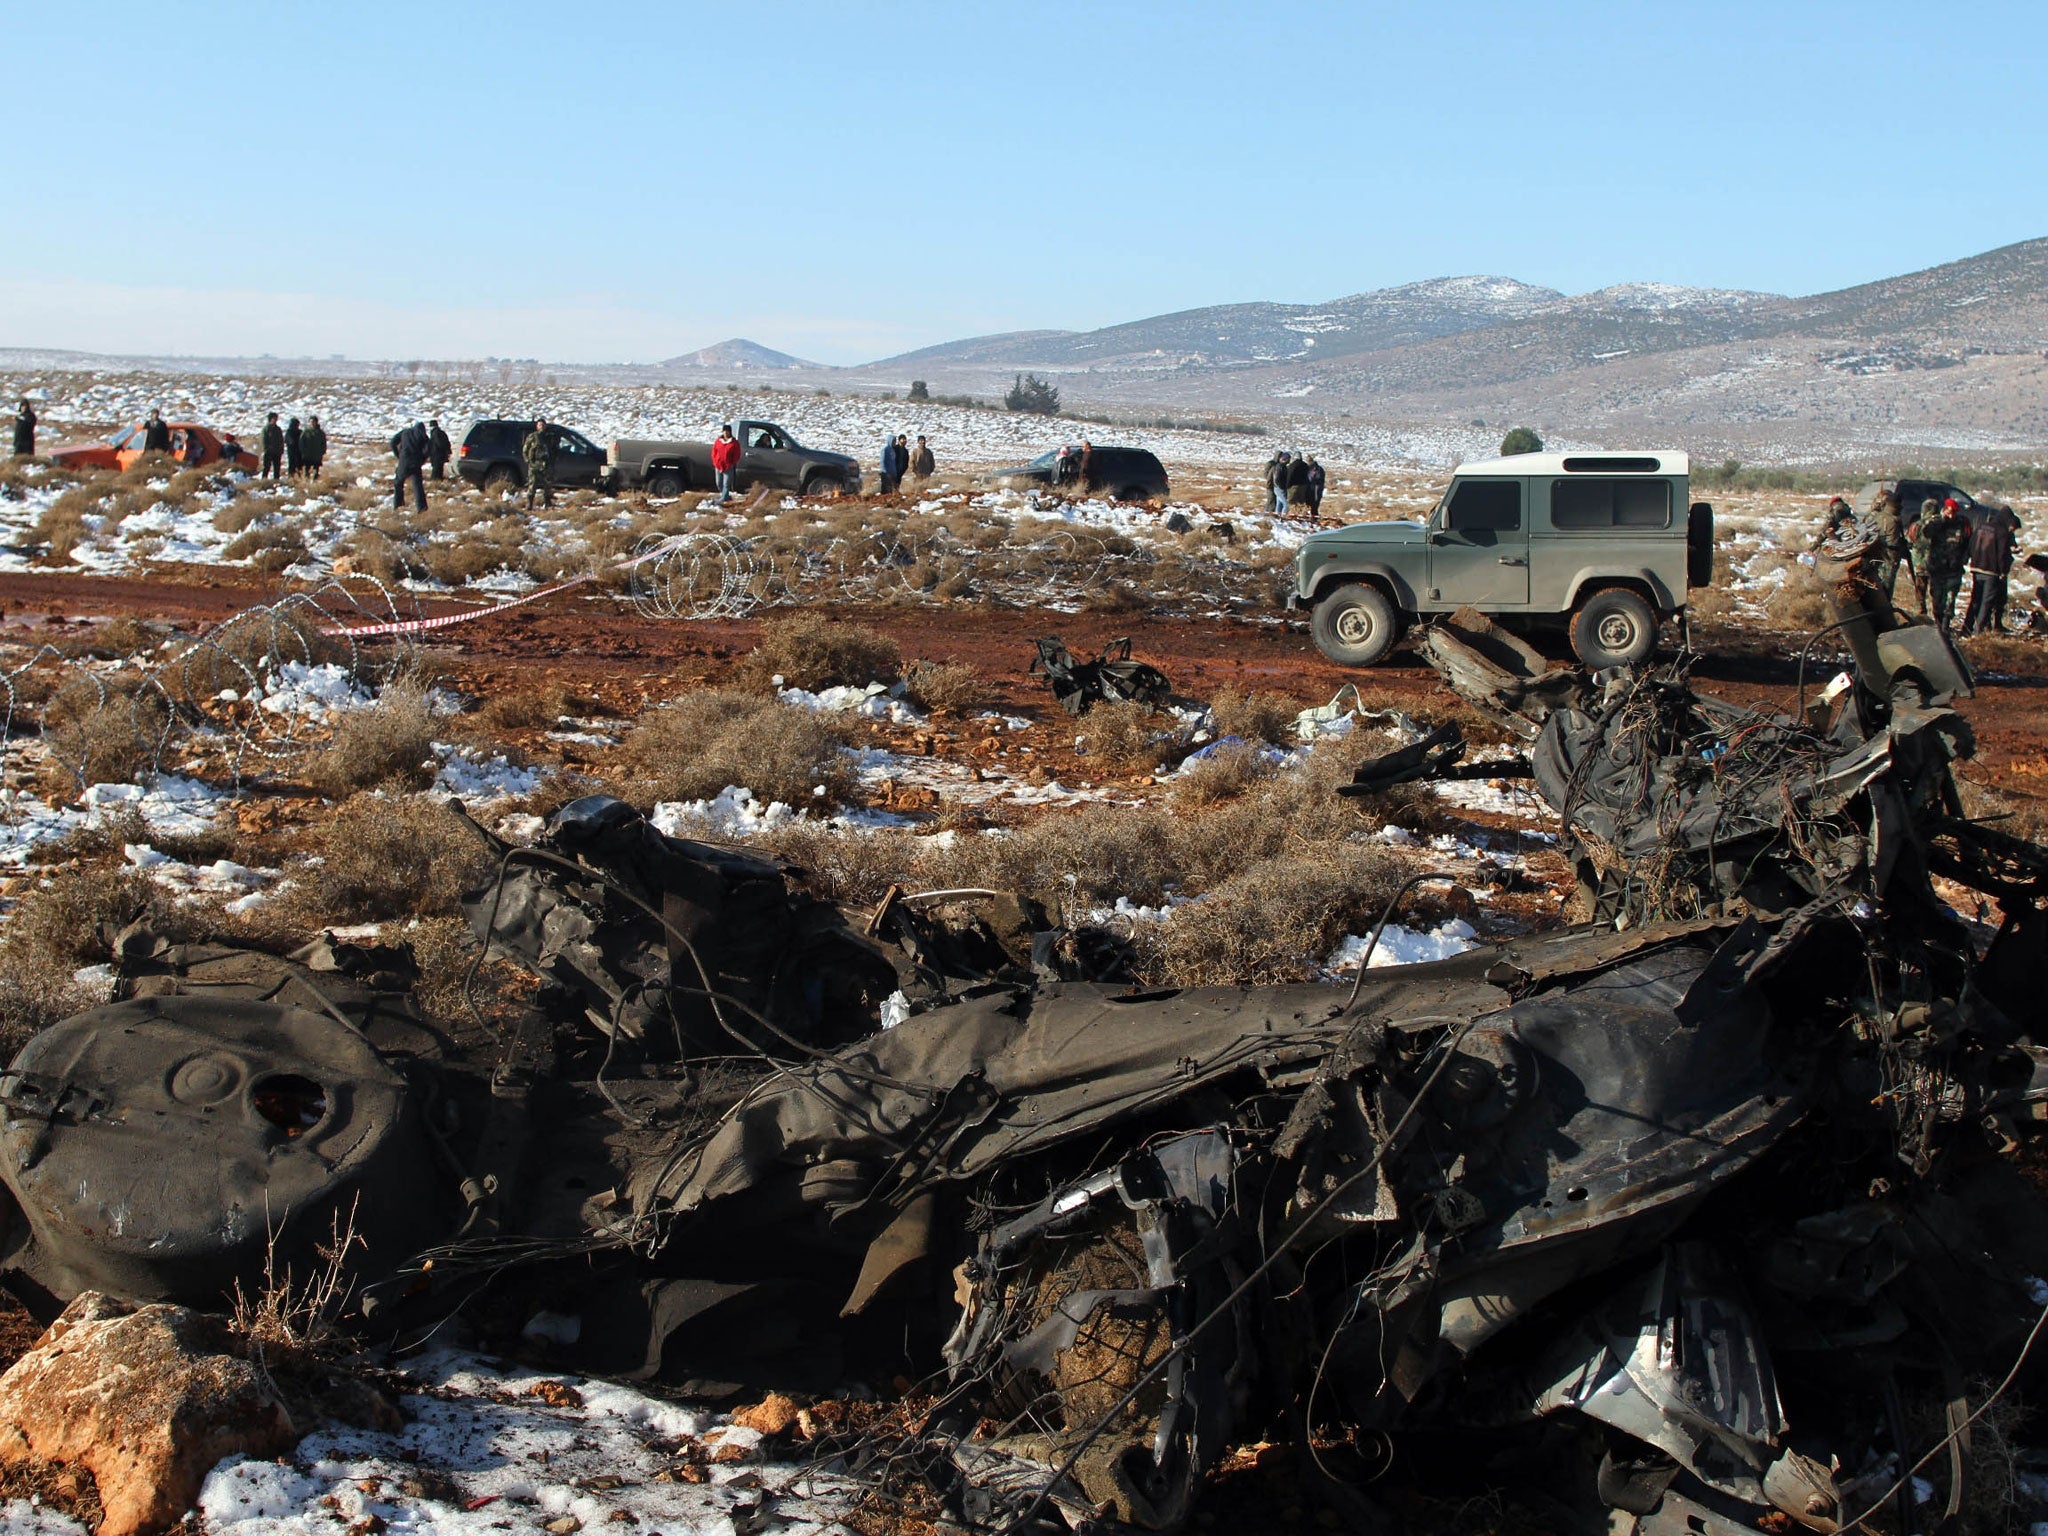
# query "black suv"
(1124, 474)
(490, 456)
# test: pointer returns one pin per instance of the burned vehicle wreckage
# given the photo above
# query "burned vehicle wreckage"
(1682, 1201)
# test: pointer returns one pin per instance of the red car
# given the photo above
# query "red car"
(191, 445)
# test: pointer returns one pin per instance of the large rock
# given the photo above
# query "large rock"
(146, 1399)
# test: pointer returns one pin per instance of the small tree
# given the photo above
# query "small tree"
(918, 390)
(1520, 440)
(1033, 394)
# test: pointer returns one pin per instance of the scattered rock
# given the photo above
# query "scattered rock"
(147, 1400)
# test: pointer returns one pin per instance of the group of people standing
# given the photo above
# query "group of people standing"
(293, 450)
(1294, 485)
(900, 459)
(1937, 544)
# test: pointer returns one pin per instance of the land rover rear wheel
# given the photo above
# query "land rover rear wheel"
(1355, 625)
(1613, 628)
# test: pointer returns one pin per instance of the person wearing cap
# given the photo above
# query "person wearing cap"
(1991, 548)
(1840, 519)
(1938, 546)
(438, 448)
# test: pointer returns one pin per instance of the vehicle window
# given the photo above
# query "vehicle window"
(1044, 460)
(569, 443)
(1486, 506)
(1588, 503)
(762, 437)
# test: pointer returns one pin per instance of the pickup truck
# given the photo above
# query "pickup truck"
(768, 456)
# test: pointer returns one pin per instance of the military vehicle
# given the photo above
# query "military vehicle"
(1608, 543)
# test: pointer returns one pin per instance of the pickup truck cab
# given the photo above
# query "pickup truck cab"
(1607, 542)
(769, 455)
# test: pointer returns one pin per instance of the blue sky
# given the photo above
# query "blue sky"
(611, 182)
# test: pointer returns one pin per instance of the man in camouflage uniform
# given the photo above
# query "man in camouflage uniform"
(1893, 550)
(1840, 519)
(1939, 545)
(539, 454)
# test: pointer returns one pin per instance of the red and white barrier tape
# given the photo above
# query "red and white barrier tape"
(414, 626)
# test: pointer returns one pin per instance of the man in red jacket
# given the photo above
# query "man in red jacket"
(725, 459)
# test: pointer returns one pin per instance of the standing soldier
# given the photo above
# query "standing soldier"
(294, 449)
(25, 429)
(313, 446)
(438, 448)
(539, 454)
(1939, 543)
(273, 448)
(1893, 549)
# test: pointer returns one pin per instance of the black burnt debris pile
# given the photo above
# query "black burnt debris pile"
(1714, 1212)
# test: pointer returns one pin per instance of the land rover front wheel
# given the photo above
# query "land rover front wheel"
(1355, 625)
(1613, 628)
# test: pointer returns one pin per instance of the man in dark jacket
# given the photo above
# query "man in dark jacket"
(294, 450)
(156, 434)
(1084, 465)
(1315, 489)
(1297, 488)
(1276, 484)
(894, 464)
(438, 448)
(273, 447)
(25, 429)
(1990, 563)
(538, 450)
(410, 447)
(313, 446)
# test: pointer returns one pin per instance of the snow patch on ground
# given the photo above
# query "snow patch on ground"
(500, 1458)
(1401, 945)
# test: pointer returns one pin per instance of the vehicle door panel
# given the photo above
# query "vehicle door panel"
(577, 459)
(1479, 548)
(765, 457)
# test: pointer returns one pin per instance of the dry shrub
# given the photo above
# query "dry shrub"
(386, 856)
(527, 707)
(61, 925)
(61, 527)
(1276, 922)
(704, 741)
(122, 637)
(466, 559)
(235, 515)
(807, 651)
(943, 685)
(445, 949)
(109, 737)
(856, 869)
(149, 466)
(388, 744)
(1229, 771)
(1128, 737)
(269, 549)
(1254, 715)
(1073, 861)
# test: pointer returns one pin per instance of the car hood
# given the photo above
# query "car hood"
(81, 451)
(1405, 531)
